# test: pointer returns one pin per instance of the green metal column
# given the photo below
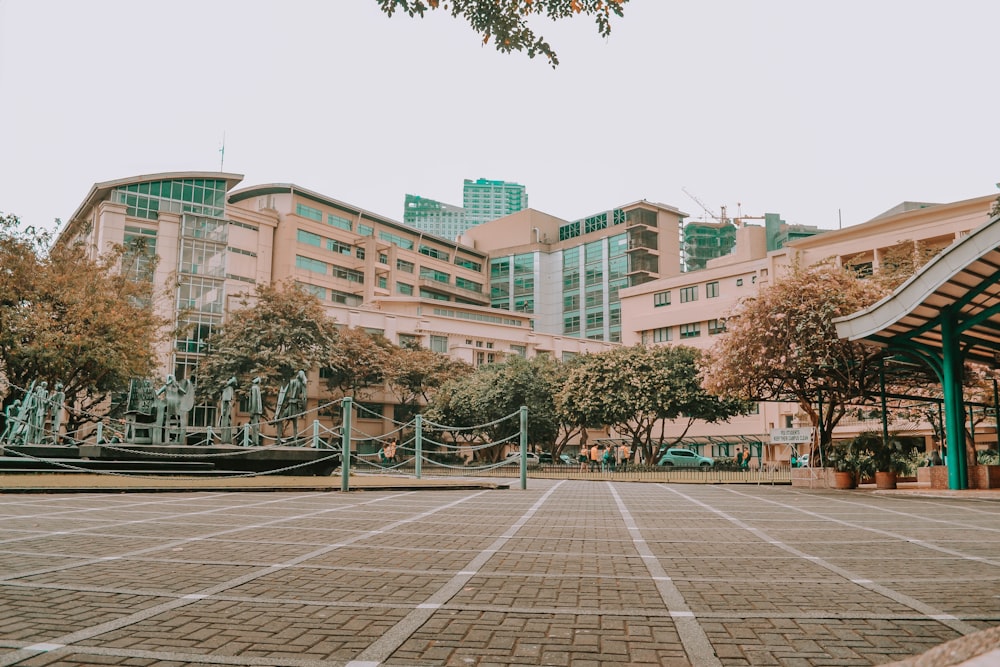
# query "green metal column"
(954, 409)
(524, 447)
(345, 445)
(418, 443)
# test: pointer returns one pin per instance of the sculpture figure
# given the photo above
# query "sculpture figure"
(226, 411)
(12, 424)
(36, 415)
(291, 403)
(172, 420)
(56, 400)
(256, 408)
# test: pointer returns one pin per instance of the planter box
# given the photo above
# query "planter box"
(811, 478)
(980, 477)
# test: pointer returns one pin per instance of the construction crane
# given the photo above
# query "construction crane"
(722, 218)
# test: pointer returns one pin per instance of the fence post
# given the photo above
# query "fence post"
(345, 445)
(524, 447)
(418, 443)
(315, 434)
(100, 433)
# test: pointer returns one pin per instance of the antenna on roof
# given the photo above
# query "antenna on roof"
(222, 152)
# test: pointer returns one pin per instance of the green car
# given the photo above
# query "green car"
(678, 456)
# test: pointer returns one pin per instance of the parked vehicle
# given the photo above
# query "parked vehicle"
(678, 456)
(531, 457)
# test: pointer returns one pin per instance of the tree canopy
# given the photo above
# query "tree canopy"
(505, 22)
(277, 332)
(65, 317)
(633, 388)
(782, 345)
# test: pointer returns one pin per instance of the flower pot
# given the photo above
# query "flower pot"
(885, 480)
(844, 480)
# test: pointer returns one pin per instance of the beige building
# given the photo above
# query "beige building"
(215, 243)
(690, 309)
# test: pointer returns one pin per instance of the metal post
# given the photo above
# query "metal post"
(418, 443)
(524, 447)
(100, 432)
(315, 434)
(345, 445)
(996, 413)
(885, 416)
(954, 411)
(819, 430)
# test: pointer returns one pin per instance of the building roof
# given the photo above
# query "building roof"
(963, 280)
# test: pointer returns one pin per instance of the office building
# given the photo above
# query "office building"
(482, 201)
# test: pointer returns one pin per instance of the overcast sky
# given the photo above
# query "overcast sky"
(820, 111)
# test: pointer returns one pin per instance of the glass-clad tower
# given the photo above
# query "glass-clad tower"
(486, 200)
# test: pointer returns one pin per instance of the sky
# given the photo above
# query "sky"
(826, 113)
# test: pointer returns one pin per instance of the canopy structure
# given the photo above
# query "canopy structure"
(946, 314)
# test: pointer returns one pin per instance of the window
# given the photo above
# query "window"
(437, 296)
(310, 264)
(439, 344)
(348, 274)
(712, 290)
(571, 324)
(662, 335)
(716, 327)
(309, 212)
(340, 223)
(368, 410)
(468, 263)
(519, 350)
(338, 247)
(403, 265)
(365, 230)
(409, 341)
(434, 274)
(395, 239)
(404, 289)
(433, 252)
(468, 284)
(691, 330)
(739, 282)
(661, 299)
(689, 294)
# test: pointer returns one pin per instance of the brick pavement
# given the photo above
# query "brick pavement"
(570, 573)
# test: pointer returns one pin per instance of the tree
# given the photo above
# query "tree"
(489, 396)
(633, 388)
(276, 333)
(414, 374)
(782, 345)
(65, 317)
(356, 362)
(505, 22)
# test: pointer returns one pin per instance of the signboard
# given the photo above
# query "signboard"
(141, 397)
(791, 436)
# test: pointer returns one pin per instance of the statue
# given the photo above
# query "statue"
(12, 425)
(291, 404)
(36, 415)
(256, 410)
(56, 400)
(176, 403)
(226, 411)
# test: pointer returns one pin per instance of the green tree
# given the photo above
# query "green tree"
(71, 318)
(484, 398)
(278, 331)
(356, 362)
(415, 374)
(633, 388)
(782, 345)
(505, 22)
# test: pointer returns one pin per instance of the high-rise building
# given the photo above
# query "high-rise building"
(482, 201)
(568, 274)
(486, 200)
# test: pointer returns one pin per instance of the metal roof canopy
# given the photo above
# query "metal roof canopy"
(946, 314)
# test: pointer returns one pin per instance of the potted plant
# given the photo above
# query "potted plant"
(842, 457)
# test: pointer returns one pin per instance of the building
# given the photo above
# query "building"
(486, 200)
(691, 308)
(569, 274)
(482, 201)
(216, 242)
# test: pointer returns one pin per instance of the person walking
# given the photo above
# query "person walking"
(584, 458)
(595, 457)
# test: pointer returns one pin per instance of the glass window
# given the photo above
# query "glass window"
(434, 274)
(309, 238)
(716, 327)
(712, 290)
(433, 252)
(661, 299)
(468, 284)
(339, 222)
(404, 266)
(310, 264)
(404, 289)
(468, 263)
(691, 330)
(662, 335)
(689, 294)
(309, 212)
(439, 344)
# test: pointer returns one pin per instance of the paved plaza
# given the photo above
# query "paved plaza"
(571, 573)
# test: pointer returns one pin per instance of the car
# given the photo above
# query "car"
(803, 461)
(678, 456)
(567, 459)
(545, 457)
(530, 457)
